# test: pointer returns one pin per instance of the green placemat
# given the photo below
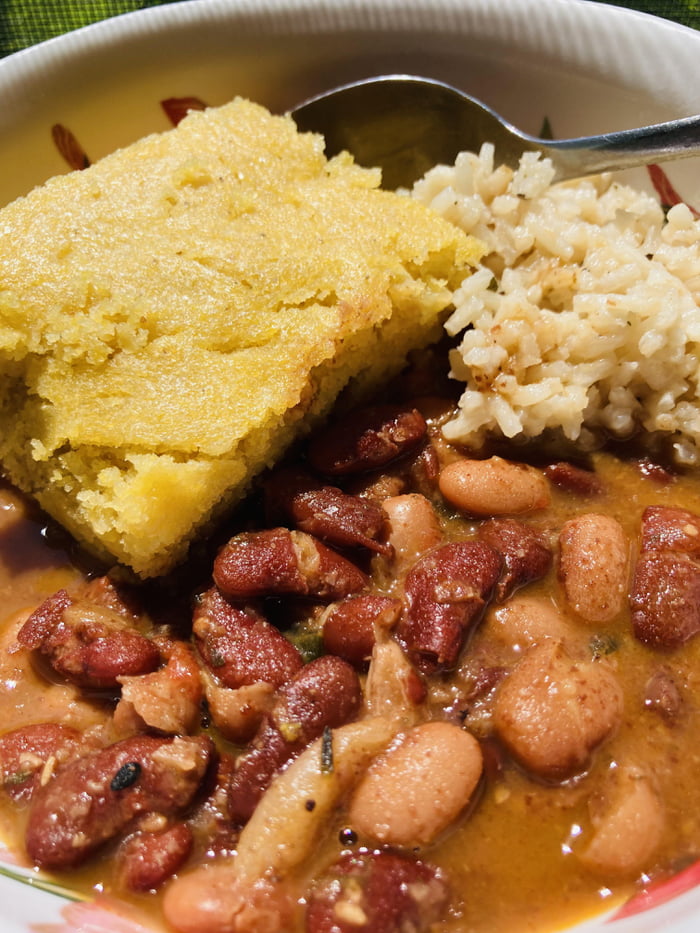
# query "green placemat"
(26, 22)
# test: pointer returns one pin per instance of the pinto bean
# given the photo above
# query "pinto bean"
(418, 787)
(167, 700)
(348, 630)
(146, 860)
(446, 590)
(552, 711)
(524, 621)
(325, 693)
(86, 643)
(377, 892)
(95, 798)
(665, 599)
(213, 898)
(594, 566)
(628, 824)
(240, 646)
(670, 529)
(414, 527)
(493, 487)
(29, 755)
(526, 557)
(367, 439)
(278, 562)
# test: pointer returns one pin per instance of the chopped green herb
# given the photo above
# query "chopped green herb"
(307, 641)
(17, 777)
(601, 645)
(327, 750)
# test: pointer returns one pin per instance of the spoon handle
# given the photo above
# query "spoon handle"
(588, 155)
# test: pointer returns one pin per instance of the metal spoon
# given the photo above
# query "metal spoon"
(406, 124)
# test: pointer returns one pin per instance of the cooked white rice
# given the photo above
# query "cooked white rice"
(585, 313)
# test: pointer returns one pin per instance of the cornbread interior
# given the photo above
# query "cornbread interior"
(172, 317)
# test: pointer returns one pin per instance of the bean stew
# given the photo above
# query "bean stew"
(412, 687)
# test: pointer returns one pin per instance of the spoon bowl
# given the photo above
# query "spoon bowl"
(406, 124)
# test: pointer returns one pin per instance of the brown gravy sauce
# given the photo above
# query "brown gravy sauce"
(512, 857)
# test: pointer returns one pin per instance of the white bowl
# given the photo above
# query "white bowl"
(587, 67)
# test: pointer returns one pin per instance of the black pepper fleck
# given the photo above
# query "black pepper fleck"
(127, 775)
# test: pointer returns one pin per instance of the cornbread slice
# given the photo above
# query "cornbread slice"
(174, 316)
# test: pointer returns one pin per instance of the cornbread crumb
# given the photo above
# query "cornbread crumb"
(174, 316)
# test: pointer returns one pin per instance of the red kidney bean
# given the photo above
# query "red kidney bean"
(341, 519)
(446, 591)
(526, 557)
(425, 469)
(662, 696)
(29, 755)
(574, 479)
(367, 439)
(95, 798)
(484, 681)
(377, 892)
(672, 529)
(104, 592)
(665, 599)
(654, 471)
(281, 487)
(325, 693)
(240, 646)
(278, 562)
(148, 859)
(89, 645)
(348, 630)
(326, 512)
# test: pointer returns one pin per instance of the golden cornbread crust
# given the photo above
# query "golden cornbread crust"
(174, 316)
